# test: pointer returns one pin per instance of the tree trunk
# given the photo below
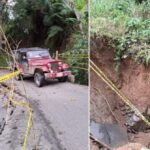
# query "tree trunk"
(79, 19)
(71, 6)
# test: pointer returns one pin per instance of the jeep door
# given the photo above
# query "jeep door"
(24, 63)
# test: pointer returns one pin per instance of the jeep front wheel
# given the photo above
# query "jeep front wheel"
(39, 79)
(18, 77)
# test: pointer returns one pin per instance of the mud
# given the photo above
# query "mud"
(132, 79)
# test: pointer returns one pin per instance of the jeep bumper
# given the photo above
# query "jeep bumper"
(56, 75)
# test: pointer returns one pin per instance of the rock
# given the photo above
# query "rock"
(109, 134)
(71, 78)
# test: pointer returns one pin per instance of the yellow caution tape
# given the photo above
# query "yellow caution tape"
(100, 73)
(84, 63)
(4, 68)
(27, 106)
(9, 76)
(27, 130)
(11, 97)
(4, 92)
(74, 57)
(80, 68)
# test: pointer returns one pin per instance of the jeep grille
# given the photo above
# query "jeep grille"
(54, 67)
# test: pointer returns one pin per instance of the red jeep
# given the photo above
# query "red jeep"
(37, 63)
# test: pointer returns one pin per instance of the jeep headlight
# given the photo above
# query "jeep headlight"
(60, 63)
(49, 65)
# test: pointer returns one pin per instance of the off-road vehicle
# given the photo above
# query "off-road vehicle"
(37, 63)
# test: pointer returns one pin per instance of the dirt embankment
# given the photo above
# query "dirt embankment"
(132, 79)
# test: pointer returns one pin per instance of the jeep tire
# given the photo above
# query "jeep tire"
(63, 79)
(39, 79)
(18, 77)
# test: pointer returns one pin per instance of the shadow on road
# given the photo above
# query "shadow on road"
(47, 83)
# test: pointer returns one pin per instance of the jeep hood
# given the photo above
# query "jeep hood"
(39, 62)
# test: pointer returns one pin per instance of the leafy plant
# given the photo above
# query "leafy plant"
(41, 21)
(53, 31)
(76, 55)
(127, 23)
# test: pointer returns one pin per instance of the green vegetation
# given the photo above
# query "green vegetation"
(57, 24)
(3, 60)
(40, 23)
(78, 43)
(77, 58)
(127, 23)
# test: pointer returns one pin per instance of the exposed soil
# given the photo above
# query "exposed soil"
(132, 79)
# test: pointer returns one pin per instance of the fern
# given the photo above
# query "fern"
(53, 31)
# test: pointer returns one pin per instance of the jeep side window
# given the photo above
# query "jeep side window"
(23, 57)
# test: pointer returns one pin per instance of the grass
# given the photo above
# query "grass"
(127, 24)
(104, 26)
(101, 21)
(110, 17)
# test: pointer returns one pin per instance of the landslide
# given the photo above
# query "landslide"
(132, 79)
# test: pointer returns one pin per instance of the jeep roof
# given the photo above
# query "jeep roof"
(24, 50)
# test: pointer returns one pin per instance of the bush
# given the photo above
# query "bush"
(76, 55)
(127, 23)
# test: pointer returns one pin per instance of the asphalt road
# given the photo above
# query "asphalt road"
(60, 113)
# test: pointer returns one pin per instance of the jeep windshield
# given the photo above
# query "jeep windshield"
(38, 54)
